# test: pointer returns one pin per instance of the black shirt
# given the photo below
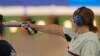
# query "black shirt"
(6, 49)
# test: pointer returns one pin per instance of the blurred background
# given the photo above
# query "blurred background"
(43, 12)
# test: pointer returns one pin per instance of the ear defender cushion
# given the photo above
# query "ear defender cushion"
(78, 20)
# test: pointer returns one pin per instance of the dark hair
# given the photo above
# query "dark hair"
(87, 16)
(1, 18)
(1, 25)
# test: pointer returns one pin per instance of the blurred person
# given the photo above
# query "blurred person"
(25, 18)
(6, 49)
(84, 40)
(53, 19)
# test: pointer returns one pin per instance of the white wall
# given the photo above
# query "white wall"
(41, 10)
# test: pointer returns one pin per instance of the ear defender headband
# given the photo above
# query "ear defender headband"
(78, 18)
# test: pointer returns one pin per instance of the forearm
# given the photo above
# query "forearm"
(53, 29)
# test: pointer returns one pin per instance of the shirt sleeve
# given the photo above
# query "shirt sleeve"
(69, 32)
(89, 49)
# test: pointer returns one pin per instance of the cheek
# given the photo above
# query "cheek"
(74, 27)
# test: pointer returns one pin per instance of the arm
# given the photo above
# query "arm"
(68, 34)
(53, 29)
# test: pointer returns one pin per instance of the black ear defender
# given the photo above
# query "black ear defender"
(78, 19)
